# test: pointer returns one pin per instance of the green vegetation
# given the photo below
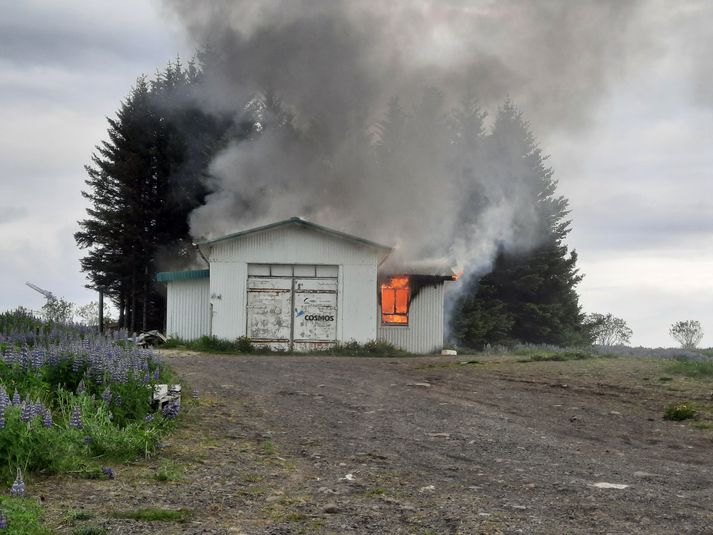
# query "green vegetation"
(243, 345)
(72, 401)
(529, 294)
(373, 348)
(539, 355)
(24, 516)
(683, 410)
(154, 514)
(89, 530)
(268, 447)
(169, 471)
(691, 368)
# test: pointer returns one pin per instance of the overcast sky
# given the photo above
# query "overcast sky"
(639, 176)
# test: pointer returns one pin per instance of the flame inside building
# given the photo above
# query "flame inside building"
(395, 293)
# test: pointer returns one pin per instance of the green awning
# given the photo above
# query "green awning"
(168, 276)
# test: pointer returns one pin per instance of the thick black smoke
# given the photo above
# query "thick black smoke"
(336, 64)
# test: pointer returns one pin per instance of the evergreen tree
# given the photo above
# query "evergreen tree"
(143, 182)
(529, 296)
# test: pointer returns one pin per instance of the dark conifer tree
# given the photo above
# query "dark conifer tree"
(143, 182)
(529, 296)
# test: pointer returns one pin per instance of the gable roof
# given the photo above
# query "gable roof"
(298, 221)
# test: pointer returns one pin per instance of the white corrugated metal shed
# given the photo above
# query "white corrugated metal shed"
(297, 285)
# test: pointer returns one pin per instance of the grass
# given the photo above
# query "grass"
(378, 491)
(78, 516)
(557, 356)
(243, 345)
(691, 368)
(169, 471)
(24, 516)
(703, 425)
(268, 447)
(212, 344)
(151, 514)
(89, 530)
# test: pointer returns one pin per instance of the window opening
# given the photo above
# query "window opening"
(395, 300)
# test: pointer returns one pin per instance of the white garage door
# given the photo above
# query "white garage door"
(292, 306)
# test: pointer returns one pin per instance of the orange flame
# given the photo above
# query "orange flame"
(394, 300)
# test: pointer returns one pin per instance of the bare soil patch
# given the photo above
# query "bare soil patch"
(428, 445)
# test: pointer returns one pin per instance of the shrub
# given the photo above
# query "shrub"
(688, 333)
(680, 411)
(608, 330)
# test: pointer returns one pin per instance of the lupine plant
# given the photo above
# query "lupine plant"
(69, 396)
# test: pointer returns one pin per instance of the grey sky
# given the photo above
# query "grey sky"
(637, 172)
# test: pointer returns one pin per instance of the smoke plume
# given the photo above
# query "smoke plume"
(336, 66)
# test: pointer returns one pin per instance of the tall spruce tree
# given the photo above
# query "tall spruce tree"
(529, 296)
(143, 182)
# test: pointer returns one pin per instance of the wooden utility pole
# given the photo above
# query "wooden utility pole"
(101, 310)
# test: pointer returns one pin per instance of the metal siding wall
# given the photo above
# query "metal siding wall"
(357, 306)
(188, 308)
(424, 333)
(227, 294)
(292, 245)
(356, 295)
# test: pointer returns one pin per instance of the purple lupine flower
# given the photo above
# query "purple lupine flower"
(3, 521)
(47, 418)
(155, 374)
(2, 419)
(88, 440)
(18, 487)
(106, 395)
(195, 393)
(171, 409)
(147, 378)
(108, 472)
(16, 398)
(149, 418)
(26, 412)
(38, 409)
(75, 420)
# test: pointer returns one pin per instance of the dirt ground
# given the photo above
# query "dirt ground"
(427, 445)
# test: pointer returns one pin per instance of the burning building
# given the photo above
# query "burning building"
(301, 286)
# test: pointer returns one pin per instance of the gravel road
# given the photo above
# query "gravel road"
(289, 445)
(424, 445)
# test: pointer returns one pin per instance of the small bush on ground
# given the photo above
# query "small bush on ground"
(680, 411)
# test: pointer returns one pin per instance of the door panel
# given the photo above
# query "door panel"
(315, 314)
(268, 311)
(292, 312)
